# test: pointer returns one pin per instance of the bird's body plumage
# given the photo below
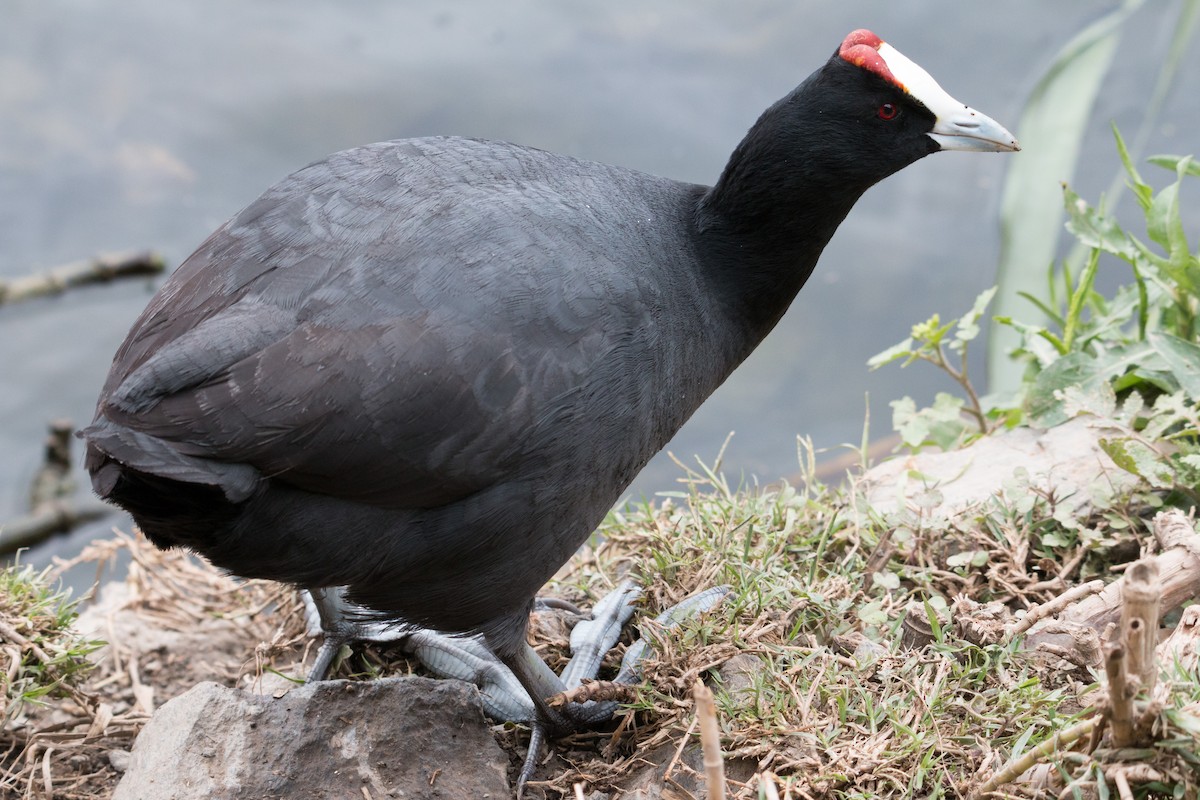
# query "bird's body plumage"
(363, 338)
(425, 369)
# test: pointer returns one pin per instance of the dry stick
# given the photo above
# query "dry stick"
(710, 740)
(52, 508)
(767, 782)
(1179, 579)
(1017, 768)
(1120, 695)
(57, 516)
(1141, 596)
(93, 270)
(1052, 607)
(53, 479)
(1124, 791)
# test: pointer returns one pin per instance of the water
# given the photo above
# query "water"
(147, 124)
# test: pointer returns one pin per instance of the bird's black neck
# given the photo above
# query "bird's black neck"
(761, 228)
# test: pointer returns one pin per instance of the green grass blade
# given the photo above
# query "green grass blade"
(1051, 131)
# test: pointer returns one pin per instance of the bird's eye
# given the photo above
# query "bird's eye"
(888, 111)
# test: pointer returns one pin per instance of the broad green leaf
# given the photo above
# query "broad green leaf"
(1051, 131)
(1117, 361)
(1183, 357)
(1095, 399)
(1138, 459)
(1045, 402)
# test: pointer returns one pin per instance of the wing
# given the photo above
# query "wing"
(376, 328)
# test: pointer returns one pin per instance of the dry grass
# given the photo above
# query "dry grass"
(816, 695)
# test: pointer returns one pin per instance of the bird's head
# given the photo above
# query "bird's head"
(871, 111)
(954, 125)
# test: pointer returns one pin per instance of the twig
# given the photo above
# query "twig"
(1052, 607)
(599, 691)
(1120, 695)
(1014, 769)
(1141, 596)
(710, 740)
(94, 270)
(57, 516)
(13, 635)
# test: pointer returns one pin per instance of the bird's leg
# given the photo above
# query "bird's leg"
(590, 640)
(327, 612)
(514, 688)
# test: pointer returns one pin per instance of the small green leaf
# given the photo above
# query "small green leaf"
(886, 580)
(1172, 163)
(1164, 225)
(1141, 190)
(968, 558)
(1055, 540)
(1094, 229)
(894, 353)
(931, 331)
(942, 424)
(872, 613)
(968, 326)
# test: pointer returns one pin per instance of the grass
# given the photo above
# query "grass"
(817, 692)
(42, 657)
(881, 720)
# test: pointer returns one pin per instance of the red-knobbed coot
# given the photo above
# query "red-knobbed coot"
(423, 370)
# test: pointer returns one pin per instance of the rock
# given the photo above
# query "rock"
(668, 773)
(390, 738)
(119, 759)
(206, 648)
(739, 675)
(1066, 460)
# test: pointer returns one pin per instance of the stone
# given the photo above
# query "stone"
(390, 738)
(1066, 460)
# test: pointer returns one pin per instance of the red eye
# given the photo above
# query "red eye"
(888, 111)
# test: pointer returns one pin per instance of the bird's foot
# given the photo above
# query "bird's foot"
(504, 697)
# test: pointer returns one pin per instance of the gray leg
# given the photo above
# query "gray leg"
(328, 613)
(516, 692)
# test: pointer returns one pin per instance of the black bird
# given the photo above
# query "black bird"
(425, 369)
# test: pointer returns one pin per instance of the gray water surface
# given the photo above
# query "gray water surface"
(147, 124)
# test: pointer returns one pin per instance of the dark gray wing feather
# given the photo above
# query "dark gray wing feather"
(387, 326)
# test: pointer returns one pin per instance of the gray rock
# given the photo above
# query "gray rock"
(1066, 459)
(389, 738)
(118, 759)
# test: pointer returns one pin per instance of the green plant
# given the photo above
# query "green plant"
(1052, 126)
(942, 424)
(1131, 358)
(42, 656)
